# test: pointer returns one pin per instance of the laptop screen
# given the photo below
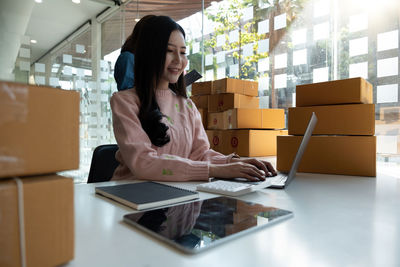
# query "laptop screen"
(302, 148)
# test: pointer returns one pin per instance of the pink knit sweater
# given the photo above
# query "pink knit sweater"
(185, 157)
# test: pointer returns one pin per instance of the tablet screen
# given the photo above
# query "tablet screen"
(196, 226)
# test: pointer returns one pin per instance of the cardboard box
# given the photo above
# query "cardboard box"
(202, 88)
(346, 155)
(203, 114)
(246, 143)
(222, 102)
(229, 85)
(348, 91)
(49, 221)
(357, 119)
(215, 120)
(39, 129)
(201, 101)
(247, 119)
(215, 139)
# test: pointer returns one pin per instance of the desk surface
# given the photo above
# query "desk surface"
(338, 221)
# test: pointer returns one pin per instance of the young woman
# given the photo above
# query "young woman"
(158, 128)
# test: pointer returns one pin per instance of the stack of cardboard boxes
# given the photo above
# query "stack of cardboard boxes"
(39, 135)
(343, 140)
(234, 121)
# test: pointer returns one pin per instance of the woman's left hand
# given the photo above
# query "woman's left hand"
(261, 164)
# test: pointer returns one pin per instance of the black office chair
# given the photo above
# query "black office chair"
(103, 164)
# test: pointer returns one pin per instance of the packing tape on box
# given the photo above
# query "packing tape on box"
(21, 219)
(13, 102)
(230, 126)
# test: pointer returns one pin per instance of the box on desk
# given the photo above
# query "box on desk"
(348, 91)
(222, 102)
(229, 85)
(39, 129)
(241, 118)
(48, 208)
(201, 101)
(347, 155)
(202, 88)
(357, 119)
(246, 143)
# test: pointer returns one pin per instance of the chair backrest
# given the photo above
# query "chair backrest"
(103, 163)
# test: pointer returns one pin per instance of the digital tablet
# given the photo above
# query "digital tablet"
(200, 225)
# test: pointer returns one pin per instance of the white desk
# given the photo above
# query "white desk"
(338, 221)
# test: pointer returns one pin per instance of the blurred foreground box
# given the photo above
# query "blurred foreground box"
(39, 129)
(48, 208)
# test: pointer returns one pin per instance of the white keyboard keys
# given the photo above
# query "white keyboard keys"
(231, 188)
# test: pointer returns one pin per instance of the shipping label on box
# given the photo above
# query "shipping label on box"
(348, 91)
(215, 120)
(49, 221)
(215, 139)
(229, 85)
(222, 102)
(345, 155)
(357, 119)
(39, 129)
(202, 88)
(201, 101)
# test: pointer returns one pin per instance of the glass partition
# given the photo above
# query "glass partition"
(279, 43)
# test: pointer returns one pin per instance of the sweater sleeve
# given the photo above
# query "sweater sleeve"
(138, 153)
(201, 146)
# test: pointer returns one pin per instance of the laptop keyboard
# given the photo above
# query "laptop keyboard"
(232, 188)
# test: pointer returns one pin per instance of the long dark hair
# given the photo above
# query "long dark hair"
(150, 56)
(131, 42)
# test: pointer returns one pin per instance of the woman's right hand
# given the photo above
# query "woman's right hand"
(235, 170)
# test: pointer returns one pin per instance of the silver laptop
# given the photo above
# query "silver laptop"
(240, 186)
(282, 180)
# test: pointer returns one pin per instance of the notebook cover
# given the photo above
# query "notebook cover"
(146, 195)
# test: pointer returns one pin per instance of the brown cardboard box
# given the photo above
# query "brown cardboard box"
(39, 129)
(247, 119)
(215, 120)
(201, 101)
(215, 139)
(222, 102)
(49, 221)
(229, 85)
(202, 88)
(246, 143)
(346, 155)
(203, 114)
(357, 119)
(348, 91)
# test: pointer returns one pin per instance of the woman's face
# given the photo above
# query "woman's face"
(175, 59)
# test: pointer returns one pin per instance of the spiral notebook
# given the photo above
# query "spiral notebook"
(146, 195)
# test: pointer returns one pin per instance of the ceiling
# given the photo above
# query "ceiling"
(51, 21)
